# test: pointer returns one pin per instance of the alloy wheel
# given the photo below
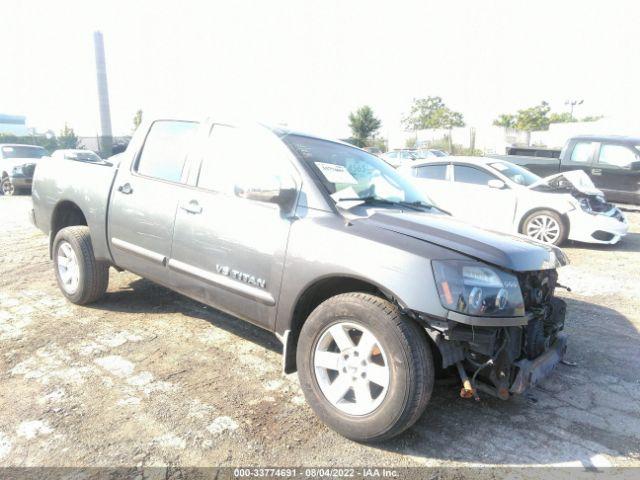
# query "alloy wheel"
(544, 228)
(68, 267)
(7, 187)
(351, 368)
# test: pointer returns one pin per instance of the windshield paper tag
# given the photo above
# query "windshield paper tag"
(336, 173)
(7, 149)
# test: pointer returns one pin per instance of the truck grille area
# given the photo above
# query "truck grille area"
(537, 288)
(548, 312)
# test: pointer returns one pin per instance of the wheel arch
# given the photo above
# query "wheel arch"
(65, 214)
(563, 216)
(312, 296)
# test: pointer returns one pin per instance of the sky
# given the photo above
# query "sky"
(307, 64)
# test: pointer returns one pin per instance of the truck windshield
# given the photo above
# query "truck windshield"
(23, 151)
(515, 173)
(349, 173)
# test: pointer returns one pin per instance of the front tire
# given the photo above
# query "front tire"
(81, 278)
(6, 187)
(545, 226)
(365, 369)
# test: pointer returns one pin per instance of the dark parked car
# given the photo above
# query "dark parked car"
(612, 162)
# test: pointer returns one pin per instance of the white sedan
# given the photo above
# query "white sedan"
(498, 195)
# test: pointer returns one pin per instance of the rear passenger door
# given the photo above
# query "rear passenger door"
(229, 251)
(434, 181)
(143, 202)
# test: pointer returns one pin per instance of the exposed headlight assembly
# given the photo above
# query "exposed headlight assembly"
(473, 288)
(17, 170)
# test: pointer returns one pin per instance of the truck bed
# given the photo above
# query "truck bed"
(87, 185)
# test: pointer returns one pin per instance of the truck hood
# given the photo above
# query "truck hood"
(517, 253)
(574, 179)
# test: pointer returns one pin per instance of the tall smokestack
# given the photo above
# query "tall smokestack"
(106, 136)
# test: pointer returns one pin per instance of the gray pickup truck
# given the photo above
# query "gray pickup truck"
(372, 290)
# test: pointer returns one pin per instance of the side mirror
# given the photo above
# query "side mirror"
(497, 184)
(269, 189)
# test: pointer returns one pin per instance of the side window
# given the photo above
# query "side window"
(433, 172)
(392, 154)
(165, 149)
(582, 152)
(616, 155)
(464, 174)
(228, 163)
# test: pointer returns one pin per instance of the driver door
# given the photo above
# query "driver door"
(478, 203)
(229, 251)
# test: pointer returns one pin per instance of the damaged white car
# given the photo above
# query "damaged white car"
(499, 195)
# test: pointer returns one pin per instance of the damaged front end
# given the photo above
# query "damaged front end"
(579, 185)
(502, 356)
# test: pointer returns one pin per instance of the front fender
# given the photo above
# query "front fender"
(323, 245)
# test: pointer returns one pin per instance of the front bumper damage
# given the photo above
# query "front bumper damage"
(505, 356)
(532, 371)
(605, 228)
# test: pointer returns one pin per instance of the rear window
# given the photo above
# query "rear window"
(23, 151)
(165, 149)
(433, 172)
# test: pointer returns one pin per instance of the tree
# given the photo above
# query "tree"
(533, 118)
(563, 117)
(137, 120)
(363, 124)
(505, 120)
(431, 112)
(68, 138)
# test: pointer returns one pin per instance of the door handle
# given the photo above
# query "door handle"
(192, 207)
(126, 189)
(596, 171)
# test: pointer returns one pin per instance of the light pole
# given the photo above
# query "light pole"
(573, 103)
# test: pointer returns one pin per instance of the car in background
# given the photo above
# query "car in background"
(611, 161)
(426, 153)
(77, 154)
(374, 150)
(400, 156)
(17, 164)
(499, 195)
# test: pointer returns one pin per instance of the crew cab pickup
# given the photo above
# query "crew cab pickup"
(371, 289)
(612, 162)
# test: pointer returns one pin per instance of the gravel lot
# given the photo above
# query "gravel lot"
(147, 377)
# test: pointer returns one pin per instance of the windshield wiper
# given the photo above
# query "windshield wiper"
(419, 206)
(428, 206)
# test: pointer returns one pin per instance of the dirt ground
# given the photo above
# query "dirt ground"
(147, 377)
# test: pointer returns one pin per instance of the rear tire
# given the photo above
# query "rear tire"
(81, 278)
(545, 226)
(354, 396)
